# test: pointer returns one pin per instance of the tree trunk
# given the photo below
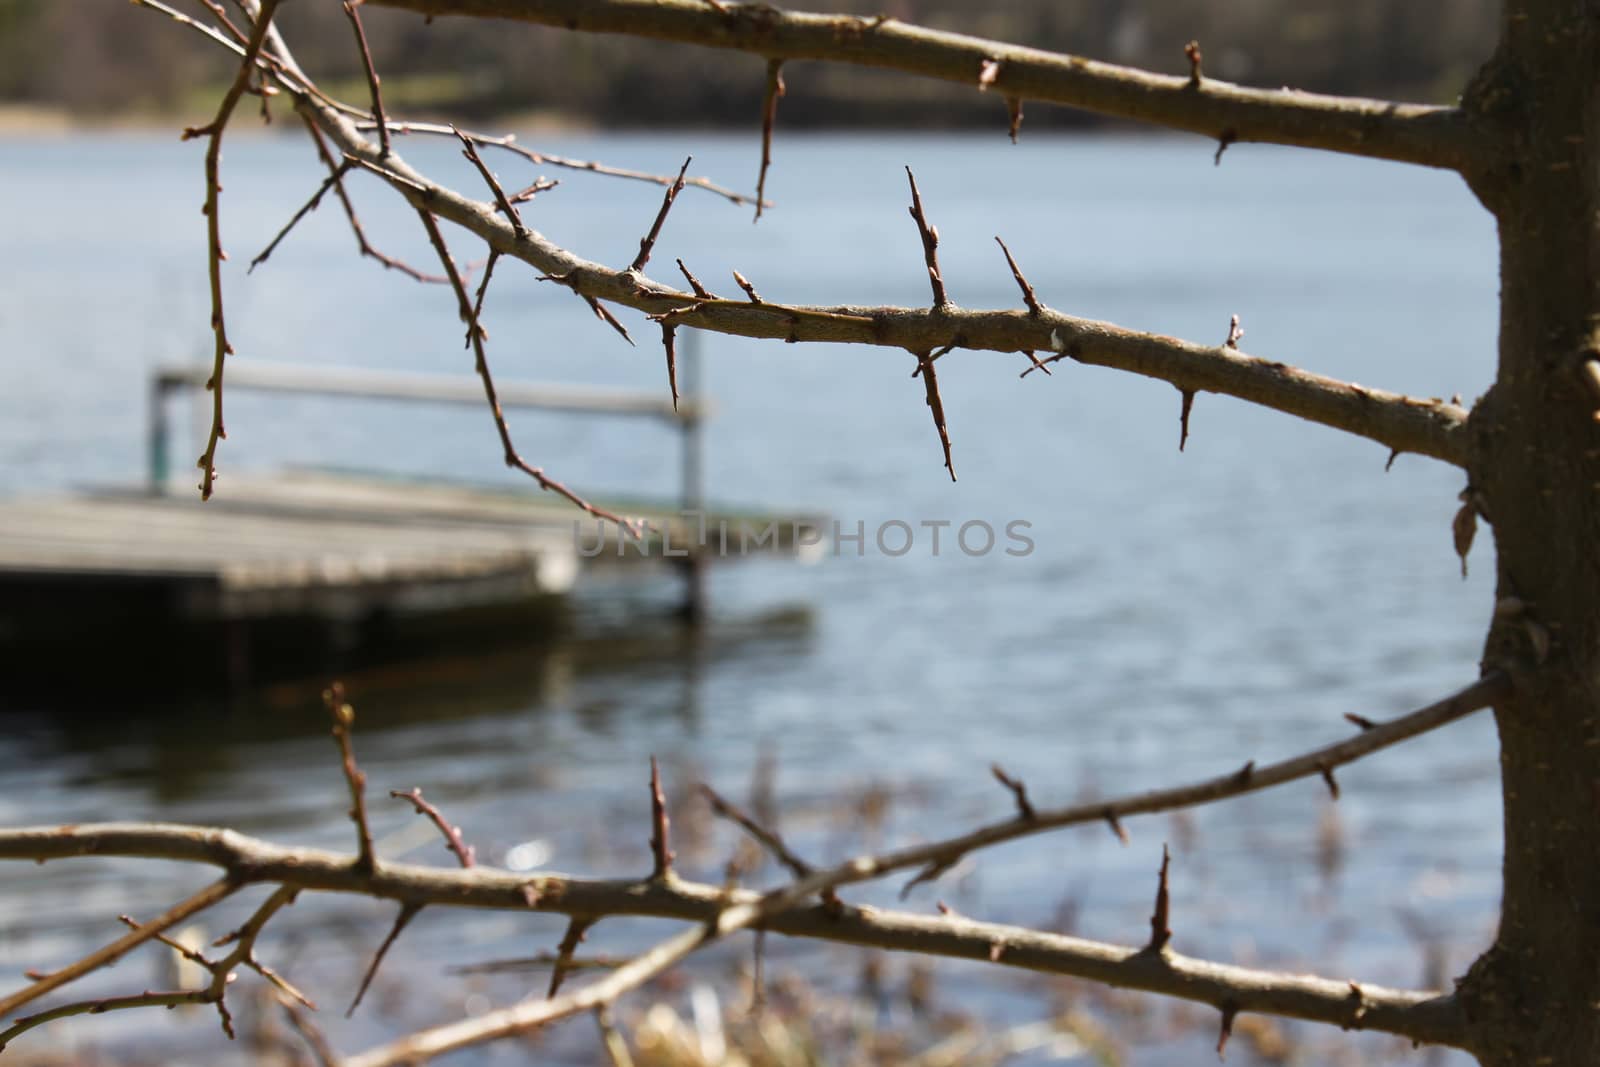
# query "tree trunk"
(1534, 997)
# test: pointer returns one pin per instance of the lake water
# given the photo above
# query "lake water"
(1178, 614)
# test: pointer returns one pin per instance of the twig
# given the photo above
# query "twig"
(309, 1032)
(769, 839)
(408, 911)
(1235, 332)
(930, 244)
(372, 75)
(469, 150)
(465, 853)
(362, 244)
(469, 315)
(769, 117)
(483, 291)
(305, 209)
(541, 960)
(615, 1045)
(660, 850)
(122, 946)
(540, 159)
(215, 255)
(344, 717)
(1191, 52)
(648, 241)
(749, 290)
(1037, 364)
(147, 999)
(243, 940)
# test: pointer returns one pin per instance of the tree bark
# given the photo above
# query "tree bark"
(1534, 997)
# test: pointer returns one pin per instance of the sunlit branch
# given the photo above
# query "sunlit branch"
(1427, 427)
(1412, 133)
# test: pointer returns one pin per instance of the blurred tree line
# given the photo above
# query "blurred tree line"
(106, 58)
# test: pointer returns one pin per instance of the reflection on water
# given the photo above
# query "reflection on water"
(1180, 615)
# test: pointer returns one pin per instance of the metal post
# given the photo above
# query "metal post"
(158, 458)
(693, 495)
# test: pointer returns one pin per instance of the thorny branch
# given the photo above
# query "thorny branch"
(1431, 427)
(215, 255)
(475, 339)
(1421, 1016)
(372, 73)
(362, 244)
(1412, 133)
(1427, 427)
(723, 910)
(1436, 137)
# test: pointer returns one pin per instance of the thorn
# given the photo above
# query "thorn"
(1360, 1010)
(669, 335)
(930, 385)
(1038, 364)
(1160, 934)
(1464, 527)
(1230, 1011)
(408, 911)
(769, 118)
(1224, 139)
(577, 930)
(1014, 116)
(1394, 454)
(1246, 772)
(694, 283)
(1183, 417)
(1361, 721)
(930, 243)
(1327, 776)
(1116, 826)
(648, 242)
(1020, 791)
(658, 820)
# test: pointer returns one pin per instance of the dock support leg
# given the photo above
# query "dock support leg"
(693, 492)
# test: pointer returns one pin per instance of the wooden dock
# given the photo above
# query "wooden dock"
(306, 565)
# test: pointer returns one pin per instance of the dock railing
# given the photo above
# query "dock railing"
(688, 416)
